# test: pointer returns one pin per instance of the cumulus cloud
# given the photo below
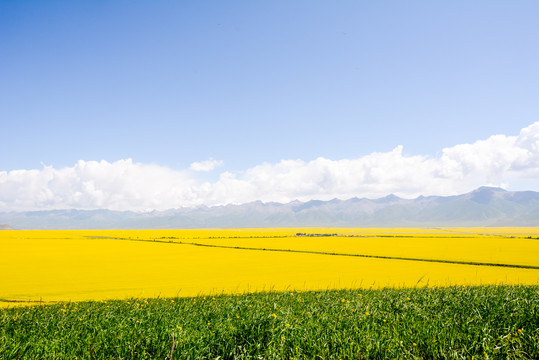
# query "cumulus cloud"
(207, 165)
(500, 160)
(121, 185)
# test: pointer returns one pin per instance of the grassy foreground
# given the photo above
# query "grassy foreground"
(455, 322)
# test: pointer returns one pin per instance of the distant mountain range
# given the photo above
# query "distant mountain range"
(485, 206)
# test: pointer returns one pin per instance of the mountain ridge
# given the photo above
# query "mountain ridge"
(485, 206)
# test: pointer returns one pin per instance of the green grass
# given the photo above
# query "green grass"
(448, 323)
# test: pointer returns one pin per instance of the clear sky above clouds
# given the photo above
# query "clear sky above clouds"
(158, 104)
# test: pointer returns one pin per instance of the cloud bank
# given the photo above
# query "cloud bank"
(207, 165)
(500, 160)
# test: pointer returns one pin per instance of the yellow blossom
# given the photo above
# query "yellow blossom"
(59, 265)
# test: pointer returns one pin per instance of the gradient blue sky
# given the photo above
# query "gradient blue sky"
(251, 82)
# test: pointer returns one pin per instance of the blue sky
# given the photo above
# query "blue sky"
(250, 85)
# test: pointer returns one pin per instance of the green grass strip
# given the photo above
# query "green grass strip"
(488, 322)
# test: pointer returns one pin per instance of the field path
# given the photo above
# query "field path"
(474, 263)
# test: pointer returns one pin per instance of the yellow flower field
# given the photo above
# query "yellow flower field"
(80, 265)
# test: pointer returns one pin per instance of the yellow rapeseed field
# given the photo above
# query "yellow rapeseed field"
(80, 265)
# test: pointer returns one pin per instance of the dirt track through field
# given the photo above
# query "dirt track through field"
(473, 263)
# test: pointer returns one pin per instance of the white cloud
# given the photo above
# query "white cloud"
(207, 165)
(121, 185)
(125, 185)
